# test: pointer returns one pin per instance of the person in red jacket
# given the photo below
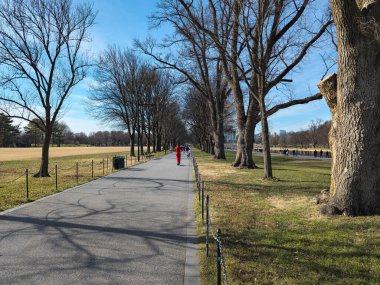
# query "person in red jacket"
(177, 151)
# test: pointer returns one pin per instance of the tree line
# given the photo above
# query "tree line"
(12, 135)
(42, 58)
(244, 49)
(131, 94)
(316, 135)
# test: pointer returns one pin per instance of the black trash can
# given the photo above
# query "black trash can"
(115, 162)
(121, 162)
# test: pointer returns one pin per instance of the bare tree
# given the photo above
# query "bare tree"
(354, 100)
(114, 97)
(259, 43)
(173, 127)
(41, 60)
(196, 117)
(197, 62)
(314, 132)
(131, 95)
(278, 36)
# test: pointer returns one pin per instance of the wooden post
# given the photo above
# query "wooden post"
(27, 183)
(56, 177)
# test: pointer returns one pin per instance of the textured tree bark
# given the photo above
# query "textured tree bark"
(154, 139)
(132, 151)
(159, 139)
(44, 168)
(217, 117)
(328, 88)
(244, 151)
(266, 147)
(356, 165)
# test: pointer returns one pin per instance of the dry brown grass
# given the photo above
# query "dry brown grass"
(273, 234)
(9, 154)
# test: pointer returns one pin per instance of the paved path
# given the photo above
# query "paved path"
(135, 226)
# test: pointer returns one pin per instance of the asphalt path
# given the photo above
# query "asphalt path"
(135, 226)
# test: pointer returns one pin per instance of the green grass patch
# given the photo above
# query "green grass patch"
(273, 233)
(13, 178)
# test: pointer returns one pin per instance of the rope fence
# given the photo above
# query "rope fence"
(77, 172)
(204, 202)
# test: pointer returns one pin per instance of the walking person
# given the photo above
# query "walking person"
(315, 153)
(177, 151)
(187, 149)
(321, 154)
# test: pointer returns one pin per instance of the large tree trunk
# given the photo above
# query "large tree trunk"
(148, 142)
(154, 140)
(132, 138)
(244, 148)
(217, 120)
(266, 146)
(356, 165)
(211, 146)
(247, 127)
(219, 144)
(44, 168)
(159, 139)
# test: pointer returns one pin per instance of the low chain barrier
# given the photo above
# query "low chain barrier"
(204, 202)
(103, 166)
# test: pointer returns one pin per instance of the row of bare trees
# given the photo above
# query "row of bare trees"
(130, 94)
(42, 57)
(317, 135)
(241, 47)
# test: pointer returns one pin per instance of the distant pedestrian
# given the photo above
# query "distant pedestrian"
(315, 153)
(294, 152)
(321, 154)
(327, 154)
(187, 149)
(177, 151)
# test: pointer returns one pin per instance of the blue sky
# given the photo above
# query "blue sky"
(120, 21)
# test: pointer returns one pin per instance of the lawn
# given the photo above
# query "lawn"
(21, 153)
(273, 233)
(13, 178)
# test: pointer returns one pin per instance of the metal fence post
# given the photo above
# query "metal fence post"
(126, 161)
(77, 173)
(27, 183)
(199, 188)
(107, 163)
(218, 260)
(56, 177)
(92, 168)
(103, 166)
(207, 222)
(203, 198)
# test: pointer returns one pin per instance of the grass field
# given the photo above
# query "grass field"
(8, 154)
(273, 233)
(13, 178)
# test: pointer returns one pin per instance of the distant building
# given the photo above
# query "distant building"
(282, 132)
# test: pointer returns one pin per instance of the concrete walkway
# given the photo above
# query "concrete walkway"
(135, 226)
